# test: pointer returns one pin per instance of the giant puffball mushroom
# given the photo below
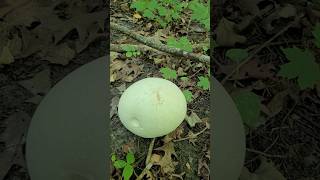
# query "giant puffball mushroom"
(152, 107)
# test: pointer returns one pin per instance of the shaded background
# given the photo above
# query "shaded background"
(42, 41)
(283, 136)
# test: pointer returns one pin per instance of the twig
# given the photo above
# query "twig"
(118, 47)
(145, 170)
(148, 163)
(265, 44)
(143, 48)
(159, 46)
(190, 137)
(150, 151)
(265, 154)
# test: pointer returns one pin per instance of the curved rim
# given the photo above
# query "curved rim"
(66, 139)
(228, 136)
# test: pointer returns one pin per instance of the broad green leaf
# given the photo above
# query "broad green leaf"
(113, 157)
(153, 4)
(188, 95)
(162, 11)
(168, 73)
(237, 55)
(128, 48)
(129, 54)
(248, 105)
(200, 13)
(183, 43)
(204, 83)
(139, 5)
(127, 172)
(302, 65)
(119, 164)
(149, 14)
(130, 158)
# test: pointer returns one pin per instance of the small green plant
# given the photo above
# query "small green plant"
(200, 13)
(130, 51)
(163, 12)
(183, 43)
(302, 65)
(237, 55)
(188, 95)
(203, 83)
(125, 165)
(168, 73)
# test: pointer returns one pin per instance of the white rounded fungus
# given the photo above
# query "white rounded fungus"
(152, 107)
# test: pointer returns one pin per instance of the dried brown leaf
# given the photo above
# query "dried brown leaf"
(276, 104)
(226, 35)
(61, 54)
(167, 165)
(193, 119)
(39, 84)
(266, 171)
(6, 56)
(16, 128)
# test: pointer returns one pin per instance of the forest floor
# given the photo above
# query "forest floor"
(285, 129)
(182, 154)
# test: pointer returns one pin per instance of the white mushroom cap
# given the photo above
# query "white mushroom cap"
(152, 107)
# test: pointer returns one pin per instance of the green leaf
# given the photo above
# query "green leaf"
(248, 105)
(200, 13)
(168, 73)
(183, 43)
(162, 11)
(128, 48)
(153, 4)
(149, 14)
(139, 5)
(188, 95)
(172, 42)
(119, 164)
(130, 158)
(185, 79)
(127, 172)
(129, 54)
(316, 34)
(113, 157)
(302, 65)
(237, 55)
(204, 83)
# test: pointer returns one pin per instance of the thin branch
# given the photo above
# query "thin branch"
(265, 44)
(150, 151)
(144, 48)
(159, 46)
(191, 137)
(265, 154)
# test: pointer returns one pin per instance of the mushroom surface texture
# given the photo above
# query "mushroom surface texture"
(152, 107)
